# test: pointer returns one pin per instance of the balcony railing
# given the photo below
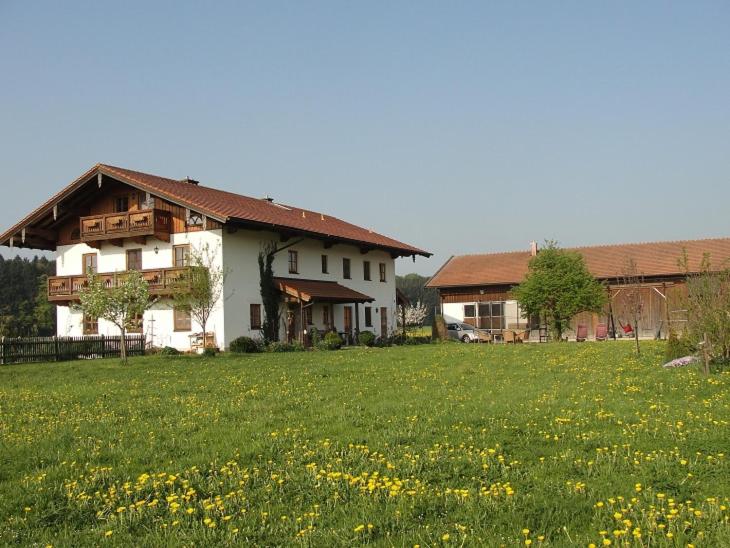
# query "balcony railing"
(161, 281)
(146, 222)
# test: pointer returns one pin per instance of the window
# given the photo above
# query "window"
(325, 270)
(89, 262)
(121, 204)
(308, 316)
(491, 315)
(91, 325)
(368, 316)
(134, 259)
(382, 272)
(181, 255)
(137, 324)
(182, 319)
(470, 311)
(326, 312)
(366, 270)
(346, 268)
(195, 219)
(255, 316)
(293, 262)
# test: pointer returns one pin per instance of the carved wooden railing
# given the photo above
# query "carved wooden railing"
(161, 281)
(146, 222)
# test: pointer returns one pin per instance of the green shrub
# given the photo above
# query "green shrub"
(417, 340)
(438, 329)
(316, 337)
(169, 351)
(331, 341)
(677, 347)
(244, 345)
(210, 352)
(285, 347)
(366, 338)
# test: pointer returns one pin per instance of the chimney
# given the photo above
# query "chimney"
(267, 198)
(190, 181)
(533, 248)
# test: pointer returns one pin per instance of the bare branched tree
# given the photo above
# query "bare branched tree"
(200, 290)
(631, 282)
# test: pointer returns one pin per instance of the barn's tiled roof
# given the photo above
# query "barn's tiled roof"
(653, 259)
(230, 207)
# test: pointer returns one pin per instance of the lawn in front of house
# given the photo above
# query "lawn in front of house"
(441, 444)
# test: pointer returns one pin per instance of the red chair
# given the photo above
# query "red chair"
(582, 333)
(601, 332)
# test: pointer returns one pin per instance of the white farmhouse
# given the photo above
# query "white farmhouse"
(331, 274)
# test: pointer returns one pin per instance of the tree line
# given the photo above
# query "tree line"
(24, 307)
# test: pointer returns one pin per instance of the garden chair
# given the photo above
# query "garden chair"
(582, 333)
(601, 332)
(508, 336)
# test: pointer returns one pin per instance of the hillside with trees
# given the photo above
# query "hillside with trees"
(24, 307)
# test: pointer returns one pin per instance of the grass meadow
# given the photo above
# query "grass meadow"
(448, 444)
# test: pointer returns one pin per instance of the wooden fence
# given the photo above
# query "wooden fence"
(50, 349)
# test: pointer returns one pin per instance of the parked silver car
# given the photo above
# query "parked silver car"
(462, 332)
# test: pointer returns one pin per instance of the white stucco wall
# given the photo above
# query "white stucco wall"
(110, 258)
(240, 252)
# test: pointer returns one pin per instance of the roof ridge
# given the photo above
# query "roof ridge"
(653, 242)
(598, 246)
(225, 206)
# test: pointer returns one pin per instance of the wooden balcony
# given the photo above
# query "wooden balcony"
(161, 282)
(130, 224)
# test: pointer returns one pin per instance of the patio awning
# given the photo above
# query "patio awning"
(321, 291)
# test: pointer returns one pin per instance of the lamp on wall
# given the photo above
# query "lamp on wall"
(157, 250)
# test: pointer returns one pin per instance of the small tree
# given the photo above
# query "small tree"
(414, 314)
(120, 304)
(557, 287)
(200, 290)
(269, 292)
(632, 297)
(708, 308)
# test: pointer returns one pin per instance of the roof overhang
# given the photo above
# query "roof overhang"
(309, 291)
(394, 252)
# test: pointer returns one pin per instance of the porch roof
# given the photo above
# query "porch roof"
(319, 290)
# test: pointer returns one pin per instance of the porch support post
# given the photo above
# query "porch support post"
(357, 321)
(403, 319)
(301, 321)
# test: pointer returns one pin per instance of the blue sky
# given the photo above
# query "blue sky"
(457, 127)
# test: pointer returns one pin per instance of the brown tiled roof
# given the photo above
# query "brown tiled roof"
(604, 262)
(317, 290)
(230, 207)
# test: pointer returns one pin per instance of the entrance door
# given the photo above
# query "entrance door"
(348, 320)
(383, 321)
